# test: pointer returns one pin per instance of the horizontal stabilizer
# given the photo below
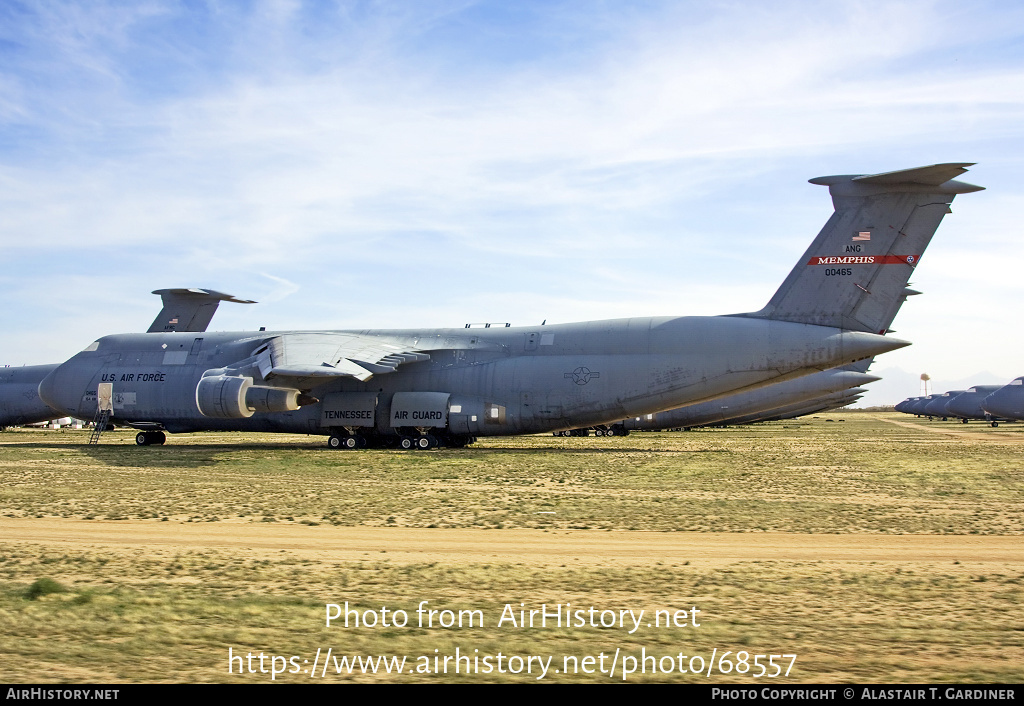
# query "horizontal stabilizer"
(189, 310)
(932, 175)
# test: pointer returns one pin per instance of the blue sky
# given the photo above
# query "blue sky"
(376, 164)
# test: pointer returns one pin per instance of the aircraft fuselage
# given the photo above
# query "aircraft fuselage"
(498, 381)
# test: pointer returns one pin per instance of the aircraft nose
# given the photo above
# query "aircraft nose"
(49, 390)
(1003, 403)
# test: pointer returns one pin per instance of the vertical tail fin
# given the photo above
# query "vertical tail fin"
(854, 274)
(189, 309)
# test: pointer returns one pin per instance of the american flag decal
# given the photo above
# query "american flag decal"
(863, 235)
(173, 321)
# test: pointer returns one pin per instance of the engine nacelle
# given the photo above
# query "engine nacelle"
(235, 397)
(223, 397)
(272, 399)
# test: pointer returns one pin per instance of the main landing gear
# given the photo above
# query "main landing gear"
(427, 441)
(410, 442)
(344, 441)
(598, 431)
(150, 438)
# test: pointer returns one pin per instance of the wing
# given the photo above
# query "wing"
(306, 360)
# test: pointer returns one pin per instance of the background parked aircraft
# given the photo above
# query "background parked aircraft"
(753, 403)
(1007, 402)
(937, 407)
(19, 396)
(968, 405)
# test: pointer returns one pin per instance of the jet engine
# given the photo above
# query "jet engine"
(235, 397)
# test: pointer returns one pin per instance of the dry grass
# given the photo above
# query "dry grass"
(858, 475)
(171, 614)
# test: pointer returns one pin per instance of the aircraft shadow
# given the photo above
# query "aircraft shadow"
(595, 450)
(212, 454)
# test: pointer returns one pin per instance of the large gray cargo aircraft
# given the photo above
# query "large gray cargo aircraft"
(906, 406)
(968, 405)
(800, 409)
(918, 407)
(937, 407)
(749, 405)
(19, 396)
(424, 388)
(1007, 402)
(825, 404)
(964, 405)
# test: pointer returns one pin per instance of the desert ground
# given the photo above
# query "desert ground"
(854, 547)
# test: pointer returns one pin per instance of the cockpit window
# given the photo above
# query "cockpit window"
(91, 347)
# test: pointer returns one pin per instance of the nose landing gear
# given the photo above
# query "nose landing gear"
(150, 438)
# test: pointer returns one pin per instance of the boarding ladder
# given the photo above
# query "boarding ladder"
(104, 408)
(99, 424)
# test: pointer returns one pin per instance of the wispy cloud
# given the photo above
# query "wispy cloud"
(567, 149)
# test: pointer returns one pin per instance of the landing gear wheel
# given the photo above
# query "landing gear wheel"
(334, 441)
(995, 424)
(423, 442)
(150, 438)
(350, 442)
(406, 443)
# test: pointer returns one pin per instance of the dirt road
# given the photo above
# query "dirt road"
(463, 546)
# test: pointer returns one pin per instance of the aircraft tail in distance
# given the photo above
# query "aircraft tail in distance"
(854, 274)
(189, 310)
